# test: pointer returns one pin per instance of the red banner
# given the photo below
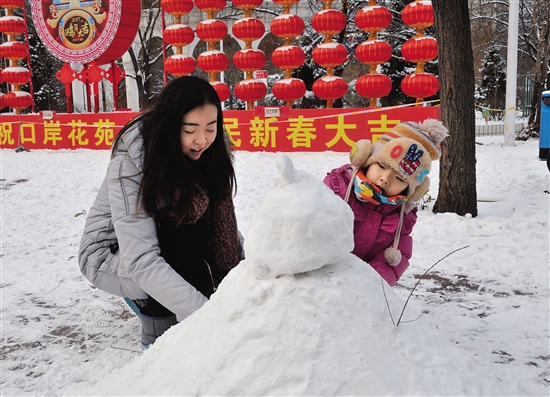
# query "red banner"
(271, 129)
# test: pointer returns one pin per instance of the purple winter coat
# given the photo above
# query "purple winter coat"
(374, 227)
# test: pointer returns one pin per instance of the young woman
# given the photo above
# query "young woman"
(162, 231)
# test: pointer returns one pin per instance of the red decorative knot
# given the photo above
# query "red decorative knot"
(14, 50)
(250, 90)
(373, 18)
(178, 35)
(213, 61)
(66, 74)
(211, 30)
(420, 85)
(330, 87)
(248, 29)
(17, 100)
(329, 55)
(287, 26)
(16, 75)
(222, 89)
(289, 90)
(12, 25)
(373, 52)
(180, 65)
(418, 14)
(288, 57)
(373, 85)
(247, 4)
(177, 7)
(420, 49)
(329, 22)
(210, 6)
(249, 60)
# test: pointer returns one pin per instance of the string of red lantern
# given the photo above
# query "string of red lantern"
(249, 29)
(15, 51)
(288, 56)
(212, 31)
(329, 54)
(178, 35)
(419, 49)
(373, 52)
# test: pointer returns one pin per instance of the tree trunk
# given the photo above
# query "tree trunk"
(457, 167)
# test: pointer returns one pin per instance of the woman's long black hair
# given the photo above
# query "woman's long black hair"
(166, 170)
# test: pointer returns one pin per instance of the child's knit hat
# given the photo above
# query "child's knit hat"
(409, 148)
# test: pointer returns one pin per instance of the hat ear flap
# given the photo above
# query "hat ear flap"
(420, 191)
(360, 152)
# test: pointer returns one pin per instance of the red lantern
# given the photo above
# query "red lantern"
(180, 65)
(418, 14)
(286, 3)
(420, 49)
(213, 61)
(287, 26)
(14, 50)
(420, 85)
(329, 55)
(210, 6)
(177, 7)
(178, 35)
(288, 57)
(12, 25)
(248, 29)
(1, 78)
(373, 52)
(16, 75)
(289, 90)
(222, 89)
(330, 87)
(17, 100)
(250, 90)
(374, 85)
(211, 30)
(373, 18)
(249, 59)
(247, 4)
(329, 22)
(11, 4)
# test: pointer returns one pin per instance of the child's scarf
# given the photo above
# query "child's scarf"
(367, 191)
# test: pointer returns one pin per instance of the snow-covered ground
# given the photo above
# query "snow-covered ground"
(486, 303)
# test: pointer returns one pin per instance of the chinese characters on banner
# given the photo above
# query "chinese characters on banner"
(262, 129)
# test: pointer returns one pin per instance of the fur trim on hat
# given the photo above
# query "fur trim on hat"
(360, 152)
(421, 190)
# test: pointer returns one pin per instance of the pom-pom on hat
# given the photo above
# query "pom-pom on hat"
(409, 148)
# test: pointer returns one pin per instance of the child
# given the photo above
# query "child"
(162, 231)
(387, 178)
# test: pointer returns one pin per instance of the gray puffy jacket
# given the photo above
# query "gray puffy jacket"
(136, 268)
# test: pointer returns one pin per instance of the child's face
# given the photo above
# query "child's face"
(387, 179)
(198, 130)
